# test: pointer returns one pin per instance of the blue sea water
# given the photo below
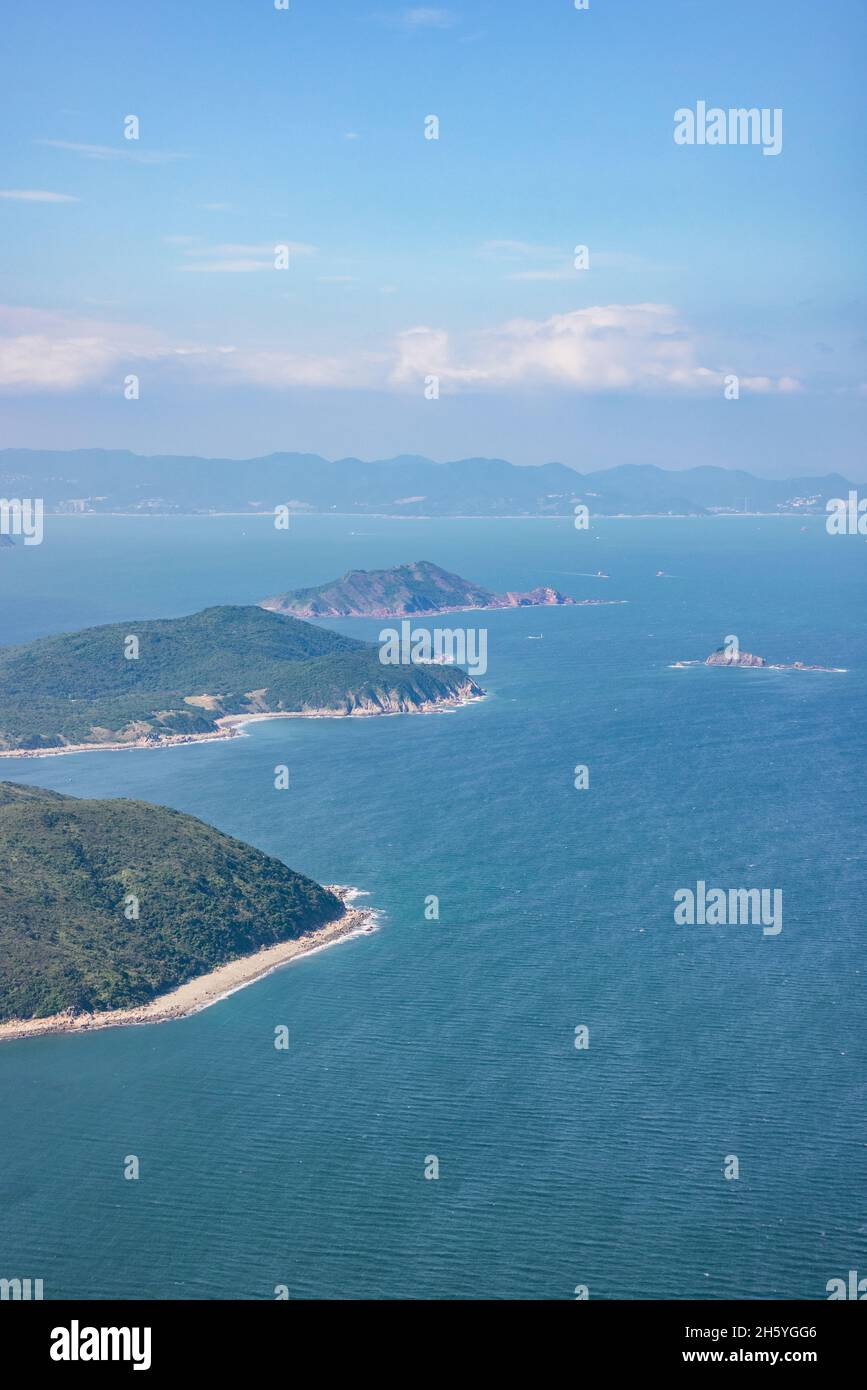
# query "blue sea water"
(455, 1038)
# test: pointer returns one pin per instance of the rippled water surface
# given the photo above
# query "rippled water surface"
(455, 1038)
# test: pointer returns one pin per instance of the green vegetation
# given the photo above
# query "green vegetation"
(68, 866)
(421, 587)
(81, 688)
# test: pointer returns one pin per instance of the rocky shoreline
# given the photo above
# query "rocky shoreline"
(230, 726)
(563, 602)
(749, 661)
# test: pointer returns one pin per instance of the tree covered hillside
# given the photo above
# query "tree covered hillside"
(185, 673)
(69, 868)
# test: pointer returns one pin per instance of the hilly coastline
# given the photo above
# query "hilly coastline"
(71, 941)
(414, 590)
(116, 480)
(175, 679)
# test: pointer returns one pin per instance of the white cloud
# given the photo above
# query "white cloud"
(277, 369)
(426, 17)
(616, 347)
(230, 267)
(129, 150)
(508, 250)
(567, 273)
(558, 261)
(239, 258)
(36, 195)
(632, 347)
(43, 351)
(296, 248)
(766, 385)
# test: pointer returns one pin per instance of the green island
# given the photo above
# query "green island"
(140, 683)
(417, 589)
(70, 941)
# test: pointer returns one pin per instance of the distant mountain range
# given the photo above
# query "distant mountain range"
(414, 590)
(109, 480)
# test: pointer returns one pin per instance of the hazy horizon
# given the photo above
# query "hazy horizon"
(407, 455)
(579, 284)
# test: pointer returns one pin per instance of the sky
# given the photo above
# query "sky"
(430, 302)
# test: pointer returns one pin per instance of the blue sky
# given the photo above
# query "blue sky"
(411, 257)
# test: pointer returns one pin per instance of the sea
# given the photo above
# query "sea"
(530, 1080)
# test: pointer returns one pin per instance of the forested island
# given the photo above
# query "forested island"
(107, 905)
(419, 589)
(171, 679)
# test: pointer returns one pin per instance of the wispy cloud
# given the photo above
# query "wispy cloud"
(237, 266)
(241, 258)
(278, 370)
(557, 261)
(565, 273)
(421, 17)
(509, 250)
(129, 150)
(233, 248)
(36, 195)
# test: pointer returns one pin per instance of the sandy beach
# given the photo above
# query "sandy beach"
(231, 725)
(200, 993)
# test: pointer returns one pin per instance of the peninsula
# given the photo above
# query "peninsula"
(420, 589)
(124, 912)
(174, 680)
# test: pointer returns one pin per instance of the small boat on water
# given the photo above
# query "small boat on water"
(538, 637)
(600, 574)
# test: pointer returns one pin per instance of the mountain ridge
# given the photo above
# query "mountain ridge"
(416, 589)
(108, 481)
(147, 682)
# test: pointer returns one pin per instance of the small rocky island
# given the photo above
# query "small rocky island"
(724, 657)
(420, 589)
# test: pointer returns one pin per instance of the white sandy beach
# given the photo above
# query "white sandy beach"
(200, 993)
